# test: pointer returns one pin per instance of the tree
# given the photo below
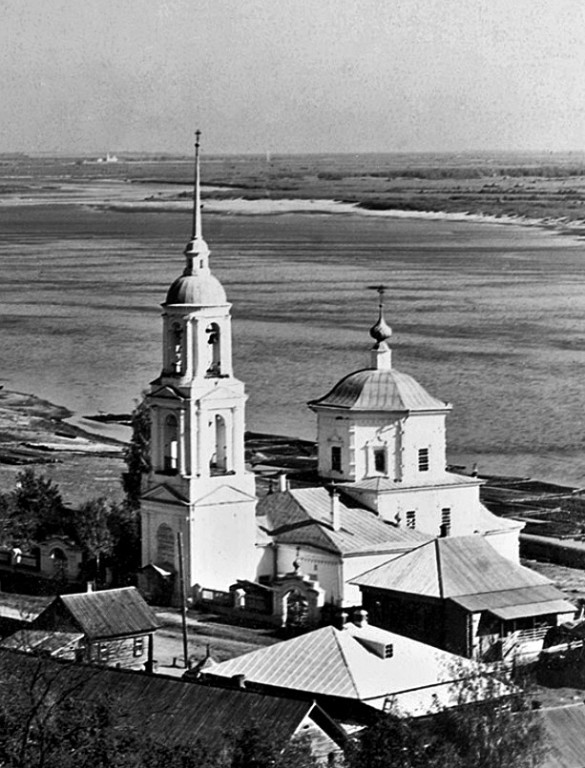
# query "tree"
(51, 716)
(137, 455)
(252, 747)
(34, 510)
(92, 526)
(492, 725)
(125, 527)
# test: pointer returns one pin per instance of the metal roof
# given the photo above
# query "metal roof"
(540, 593)
(455, 567)
(343, 663)
(374, 389)
(303, 516)
(565, 728)
(200, 289)
(508, 613)
(41, 640)
(381, 484)
(167, 709)
(109, 613)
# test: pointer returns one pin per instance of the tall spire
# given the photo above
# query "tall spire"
(196, 251)
(196, 233)
(380, 332)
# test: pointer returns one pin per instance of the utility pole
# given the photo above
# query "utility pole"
(183, 599)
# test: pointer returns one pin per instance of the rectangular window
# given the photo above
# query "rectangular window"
(138, 646)
(445, 522)
(411, 519)
(380, 460)
(103, 650)
(336, 458)
(423, 460)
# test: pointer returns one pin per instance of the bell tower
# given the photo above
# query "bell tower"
(198, 484)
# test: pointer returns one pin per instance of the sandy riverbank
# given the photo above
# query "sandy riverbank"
(35, 433)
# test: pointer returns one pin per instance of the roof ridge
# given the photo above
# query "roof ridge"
(393, 560)
(337, 635)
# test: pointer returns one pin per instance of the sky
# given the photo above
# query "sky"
(292, 76)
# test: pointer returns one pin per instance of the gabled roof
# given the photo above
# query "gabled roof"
(345, 663)
(109, 613)
(170, 710)
(469, 571)
(303, 516)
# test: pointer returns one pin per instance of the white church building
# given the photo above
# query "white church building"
(382, 486)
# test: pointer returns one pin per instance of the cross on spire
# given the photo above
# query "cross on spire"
(196, 235)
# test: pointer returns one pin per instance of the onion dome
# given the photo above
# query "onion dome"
(380, 331)
(375, 389)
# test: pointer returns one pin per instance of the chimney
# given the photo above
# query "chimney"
(335, 511)
(360, 618)
(89, 586)
(282, 483)
(239, 680)
(340, 620)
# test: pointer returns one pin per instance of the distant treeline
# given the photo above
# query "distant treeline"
(475, 172)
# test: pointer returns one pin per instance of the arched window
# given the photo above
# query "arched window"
(214, 359)
(165, 545)
(218, 463)
(177, 346)
(171, 444)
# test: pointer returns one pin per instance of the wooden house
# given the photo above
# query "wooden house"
(114, 627)
(178, 712)
(461, 595)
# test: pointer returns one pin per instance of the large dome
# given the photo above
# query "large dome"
(201, 289)
(379, 390)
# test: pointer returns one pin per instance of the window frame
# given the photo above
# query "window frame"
(424, 459)
(336, 463)
(380, 453)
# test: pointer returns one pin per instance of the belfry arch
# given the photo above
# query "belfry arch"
(213, 333)
(171, 444)
(219, 459)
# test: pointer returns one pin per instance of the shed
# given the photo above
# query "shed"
(117, 626)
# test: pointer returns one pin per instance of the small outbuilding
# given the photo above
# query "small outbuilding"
(114, 627)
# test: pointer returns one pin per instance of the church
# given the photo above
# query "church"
(382, 488)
